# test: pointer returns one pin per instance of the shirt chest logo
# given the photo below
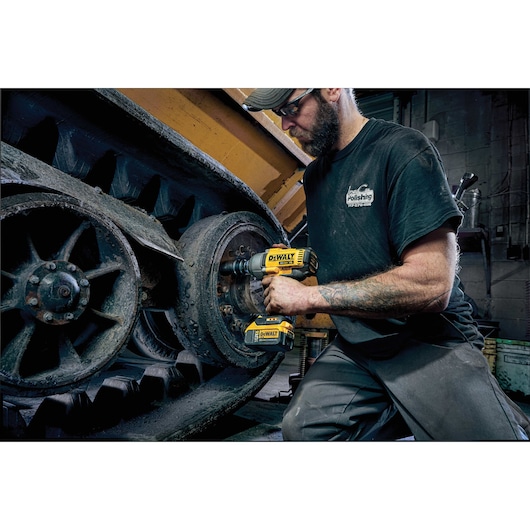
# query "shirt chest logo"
(362, 196)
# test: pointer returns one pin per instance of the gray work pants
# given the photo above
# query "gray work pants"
(434, 392)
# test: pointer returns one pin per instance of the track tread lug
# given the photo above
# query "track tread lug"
(62, 416)
(13, 424)
(117, 399)
(161, 382)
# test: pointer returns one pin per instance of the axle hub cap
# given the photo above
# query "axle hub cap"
(57, 292)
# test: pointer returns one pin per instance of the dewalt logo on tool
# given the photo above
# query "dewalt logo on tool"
(282, 257)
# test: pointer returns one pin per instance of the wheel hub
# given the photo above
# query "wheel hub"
(57, 292)
(214, 308)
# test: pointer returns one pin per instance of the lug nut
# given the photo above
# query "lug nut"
(34, 279)
(33, 302)
(48, 317)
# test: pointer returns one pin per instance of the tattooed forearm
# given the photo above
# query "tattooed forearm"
(371, 298)
(368, 298)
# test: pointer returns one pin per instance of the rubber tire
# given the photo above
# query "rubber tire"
(201, 327)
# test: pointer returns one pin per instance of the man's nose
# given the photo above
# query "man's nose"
(287, 122)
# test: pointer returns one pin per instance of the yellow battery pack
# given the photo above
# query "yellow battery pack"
(270, 333)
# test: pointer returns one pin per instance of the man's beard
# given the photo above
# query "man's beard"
(325, 132)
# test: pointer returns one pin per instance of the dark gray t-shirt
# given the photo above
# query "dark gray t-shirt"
(365, 205)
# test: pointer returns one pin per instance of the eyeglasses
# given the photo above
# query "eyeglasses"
(291, 108)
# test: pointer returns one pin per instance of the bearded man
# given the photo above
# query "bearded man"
(407, 359)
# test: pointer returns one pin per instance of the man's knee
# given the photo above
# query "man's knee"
(292, 423)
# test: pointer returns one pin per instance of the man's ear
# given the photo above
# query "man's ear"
(332, 94)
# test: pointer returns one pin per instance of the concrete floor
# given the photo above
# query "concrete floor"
(260, 419)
